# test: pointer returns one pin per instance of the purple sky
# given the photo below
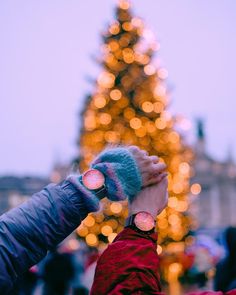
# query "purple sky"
(45, 59)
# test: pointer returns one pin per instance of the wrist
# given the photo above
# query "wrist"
(90, 201)
(135, 210)
(123, 177)
(142, 222)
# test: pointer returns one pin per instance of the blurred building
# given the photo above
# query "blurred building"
(15, 190)
(213, 188)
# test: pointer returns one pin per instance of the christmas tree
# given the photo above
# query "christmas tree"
(129, 106)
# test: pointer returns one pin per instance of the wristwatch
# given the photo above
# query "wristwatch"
(94, 180)
(142, 222)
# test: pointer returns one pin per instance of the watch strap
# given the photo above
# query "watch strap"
(99, 193)
(131, 224)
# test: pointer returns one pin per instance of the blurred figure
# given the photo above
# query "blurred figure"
(27, 284)
(225, 278)
(58, 274)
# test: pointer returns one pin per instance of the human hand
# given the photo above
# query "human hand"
(149, 166)
(152, 199)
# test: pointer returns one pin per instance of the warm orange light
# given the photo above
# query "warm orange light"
(173, 219)
(99, 217)
(112, 136)
(113, 223)
(135, 123)
(195, 188)
(116, 208)
(128, 55)
(127, 26)
(95, 229)
(82, 230)
(173, 137)
(162, 223)
(150, 126)
(105, 118)
(99, 101)
(159, 249)
(184, 168)
(106, 230)
(172, 202)
(91, 240)
(160, 90)
(160, 123)
(106, 79)
(182, 206)
(114, 45)
(147, 107)
(142, 58)
(111, 237)
(158, 107)
(149, 70)
(89, 221)
(115, 94)
(177, 188)
(141, 132)
(129, 113)
(114, 28)
(90, 122)
(124, 4)
(175, 267)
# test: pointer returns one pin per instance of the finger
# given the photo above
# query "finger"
(144, 153)
(154, 159)
(154, 168)
(155, 179)
(133, 149)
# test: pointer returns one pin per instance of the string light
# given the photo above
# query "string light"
(116, 208)
(106, 230)
(89, 221)
(147, 107)
(99, 101)
(115, 94)
(91, 240)
(195, 188)
(135, 123)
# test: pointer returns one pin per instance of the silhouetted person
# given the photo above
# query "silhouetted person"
(225, 278)
(58, 273)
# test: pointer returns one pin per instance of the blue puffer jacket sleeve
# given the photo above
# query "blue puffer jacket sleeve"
(30, 230)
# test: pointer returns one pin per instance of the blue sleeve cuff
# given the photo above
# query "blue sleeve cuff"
(87, 201)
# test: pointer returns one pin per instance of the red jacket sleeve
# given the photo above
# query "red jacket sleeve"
(128, 266)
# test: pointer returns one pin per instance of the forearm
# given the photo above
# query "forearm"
(30, 230)
(130, 264)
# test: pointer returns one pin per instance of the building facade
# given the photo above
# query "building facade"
(214, 208)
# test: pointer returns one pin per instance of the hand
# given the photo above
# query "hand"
(152, 199)
(149, 166)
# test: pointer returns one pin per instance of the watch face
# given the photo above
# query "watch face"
(144, 221)
(93, 179)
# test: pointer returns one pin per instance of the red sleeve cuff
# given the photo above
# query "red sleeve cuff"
(130, 234)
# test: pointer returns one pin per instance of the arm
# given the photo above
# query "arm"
(30, 230)
(130, 265)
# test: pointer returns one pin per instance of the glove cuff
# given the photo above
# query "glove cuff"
(123, 178)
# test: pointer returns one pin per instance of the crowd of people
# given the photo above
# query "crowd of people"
(130, 263)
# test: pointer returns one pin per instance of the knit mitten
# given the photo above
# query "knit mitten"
(122, 176)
